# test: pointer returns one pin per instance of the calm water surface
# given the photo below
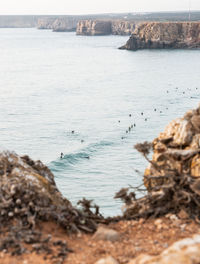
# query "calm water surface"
(53, 83)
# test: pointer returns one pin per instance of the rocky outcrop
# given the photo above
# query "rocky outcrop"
(65, 25)
(28, 198)
(169, 35)
(179, 142)
(172, 178)
(94, 27)
(45, 23)
(123, 27)
(100, 27)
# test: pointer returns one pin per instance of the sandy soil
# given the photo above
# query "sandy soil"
(151, 236)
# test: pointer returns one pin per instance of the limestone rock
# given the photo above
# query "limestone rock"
(165, 35)
(105, 27)
(120, 27)
(94, 27)
(195, 120)
(29, 197)
(104, 233)
(180, 141)
(180, 130)
(195, 166)
(185, 251)
(172, 177)
(45, 23)
(64, 24)
(28, 191)
(108, 260)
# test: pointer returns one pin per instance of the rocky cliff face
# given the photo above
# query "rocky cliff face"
(100, 27)
(94, 27)
(172, 178)
(173, 35)
(45, 23)
(177, 149)
(123, 27)
(64, 24)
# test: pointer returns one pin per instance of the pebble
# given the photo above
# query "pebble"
(106, 234)
(138, 249)
(173, 217)
(10, 214)
(183, 227)
(18, 201)
(141, 221)
(159, 227)
(79, 235)
(166, 245)
(176, 223)
(108, 260)
(157, 222)
(2, 255)
(183, 214)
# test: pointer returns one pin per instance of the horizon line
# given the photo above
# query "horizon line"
(104, 13)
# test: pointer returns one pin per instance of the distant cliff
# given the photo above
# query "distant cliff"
(123, 27)
(65, 24)
(18, 21)
(173, 35)
(45, 23)
(105, 27)
(94, 27)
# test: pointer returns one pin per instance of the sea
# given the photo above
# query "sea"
(80, 96)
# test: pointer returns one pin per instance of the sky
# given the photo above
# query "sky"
(21, 7)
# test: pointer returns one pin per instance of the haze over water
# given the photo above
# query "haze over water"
(53, 83)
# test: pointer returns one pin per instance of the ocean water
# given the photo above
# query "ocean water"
(54, 83)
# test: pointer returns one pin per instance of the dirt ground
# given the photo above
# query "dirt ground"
(151, 236)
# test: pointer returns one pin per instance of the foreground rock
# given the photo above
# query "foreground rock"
(28, 197)
(184, 251)
(173, 175)
(177, 149)
(169, 35)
